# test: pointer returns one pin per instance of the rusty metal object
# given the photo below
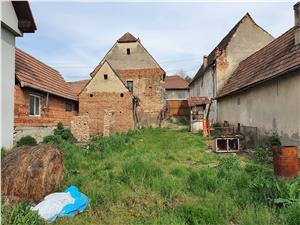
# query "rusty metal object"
(285, 161)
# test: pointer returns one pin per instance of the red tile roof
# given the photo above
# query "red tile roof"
(275, 59)
(78, 86)
(194, 101)
(175, 82)
(32, 73)
(127, 37)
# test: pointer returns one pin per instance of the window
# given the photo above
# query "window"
(128, 51)
(130, 86)
(105, 76)
(34, 105)
(68, 107)
(238, 100)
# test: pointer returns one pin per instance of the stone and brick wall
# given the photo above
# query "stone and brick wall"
(56, 111)
(80, 128)
(148, 87)
(98, 104)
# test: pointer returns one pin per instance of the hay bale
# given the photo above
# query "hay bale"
(30, 173)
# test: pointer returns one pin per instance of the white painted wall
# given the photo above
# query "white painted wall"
(9, 29)
(273, 106)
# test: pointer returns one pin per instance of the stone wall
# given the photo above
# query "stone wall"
(80, 128)
(96, 103)
(148, 88)
(108, 122)
(37, 132)
(56, 111)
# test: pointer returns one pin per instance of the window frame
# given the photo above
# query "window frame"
(129, 81)
(34, 105)
(70, 104)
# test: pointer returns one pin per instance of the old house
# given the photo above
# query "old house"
(16, 19)
(141, 74)
(245, 38)
(42, 98)
(177, 94)
(264, 90)
(108, 102)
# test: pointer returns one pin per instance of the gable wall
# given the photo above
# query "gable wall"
(248, 39)
(102, 95)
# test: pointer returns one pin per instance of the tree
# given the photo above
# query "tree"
(182, 73)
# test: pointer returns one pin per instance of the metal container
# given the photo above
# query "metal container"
(285, 161)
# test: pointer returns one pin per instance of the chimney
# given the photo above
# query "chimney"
(205, 61)
(297, 23)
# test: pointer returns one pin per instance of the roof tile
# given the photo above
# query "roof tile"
(35, 74)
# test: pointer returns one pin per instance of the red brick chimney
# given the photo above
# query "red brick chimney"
(205, 61)
(297, 23)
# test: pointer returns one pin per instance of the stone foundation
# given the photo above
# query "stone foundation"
(37, 132)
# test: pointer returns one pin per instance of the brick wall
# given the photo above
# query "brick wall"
(55, 113)
(95, 105)
(148, 87)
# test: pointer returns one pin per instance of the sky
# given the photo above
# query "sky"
(73, 37)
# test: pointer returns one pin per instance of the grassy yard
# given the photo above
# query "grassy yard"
(162, 176)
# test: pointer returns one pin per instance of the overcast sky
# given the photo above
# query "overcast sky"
(74, 37)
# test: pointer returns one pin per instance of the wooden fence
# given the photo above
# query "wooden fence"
(178, 108)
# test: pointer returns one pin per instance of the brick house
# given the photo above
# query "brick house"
(177, 94)
(245, 38)
(42, 98)
(141, 74)
(264, 90)
(107, 101)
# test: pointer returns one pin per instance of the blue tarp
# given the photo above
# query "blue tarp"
(80, 204)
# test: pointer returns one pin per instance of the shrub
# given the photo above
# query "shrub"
(52, 139)
(60, 130)
(274, 140)
(20, 214)
(4, 152)
(27, 141)
(261, 155)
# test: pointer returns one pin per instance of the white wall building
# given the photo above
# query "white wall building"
(16, 19)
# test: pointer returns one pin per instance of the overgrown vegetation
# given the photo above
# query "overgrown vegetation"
(19, 214)
(160, 176)
(64, 133)
(27, 141)
(60, 134)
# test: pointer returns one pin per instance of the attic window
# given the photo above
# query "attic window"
(128, 51)
(238, 101)
(105, 76)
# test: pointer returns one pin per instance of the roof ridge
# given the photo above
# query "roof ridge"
(38, 60)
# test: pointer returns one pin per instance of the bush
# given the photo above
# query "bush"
(64, 133)
(20, 214)
(27, 141)
(261, 155)
(52, 139)
(4, 152)
(274, 140)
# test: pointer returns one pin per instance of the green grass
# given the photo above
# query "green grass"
(162, 176)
